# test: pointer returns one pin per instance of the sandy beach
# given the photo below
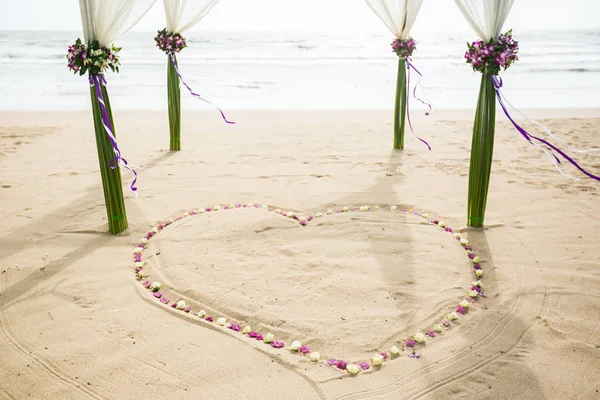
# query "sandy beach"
(347, 285)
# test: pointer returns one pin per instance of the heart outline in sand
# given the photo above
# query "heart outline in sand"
(411, 344)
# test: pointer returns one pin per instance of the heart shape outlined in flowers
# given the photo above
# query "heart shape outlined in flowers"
(411, 344)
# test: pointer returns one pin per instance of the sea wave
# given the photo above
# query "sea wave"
(574, 69)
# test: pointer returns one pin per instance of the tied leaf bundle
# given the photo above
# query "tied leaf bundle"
(404, 49)
(400, 105)
(489, 59)
(171, 44)
(111, 177)
(174, 104)
(482, 149)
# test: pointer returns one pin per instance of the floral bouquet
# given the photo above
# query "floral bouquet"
(95, 60)
(92, 58)
(492, 57)
(489, 59)
(170, 43)
(404, 48)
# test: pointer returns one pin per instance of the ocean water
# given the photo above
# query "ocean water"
(298, 70)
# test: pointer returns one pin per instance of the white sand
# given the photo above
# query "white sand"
(83, 327)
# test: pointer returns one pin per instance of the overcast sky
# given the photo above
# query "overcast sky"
(317, 15)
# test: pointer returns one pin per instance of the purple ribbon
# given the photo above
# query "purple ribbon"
(96, 81)
(497, 81)
(409, 66)
(174, 61)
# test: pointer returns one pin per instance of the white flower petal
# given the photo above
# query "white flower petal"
(353, 369)
(295, 345)
(269, 337)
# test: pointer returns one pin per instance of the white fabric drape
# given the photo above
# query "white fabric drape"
(398, 15)
(106, 20)
(486, 17)
(184, 14)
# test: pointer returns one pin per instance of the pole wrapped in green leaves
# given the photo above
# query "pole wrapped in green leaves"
(482, 150)
(174, 95)
(400, 105)
(488, 58)
(490, 55)
(404, 50)
(171, 44)
(181, 15)
(103, 22)
(399, 16)
(111, 177)
(94, 60)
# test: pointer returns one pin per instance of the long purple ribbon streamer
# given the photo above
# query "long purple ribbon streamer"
(96, 81)
(196, 95)
(409, 66)
(497, 81)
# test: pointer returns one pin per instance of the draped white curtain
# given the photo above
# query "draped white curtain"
(398, 15)
(486, 17)
(107, 20)
(184, 14)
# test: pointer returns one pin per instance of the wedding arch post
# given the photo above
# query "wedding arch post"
(399, 17)
(486, 18)
(103, 22)
(490, 55)
(181, 15)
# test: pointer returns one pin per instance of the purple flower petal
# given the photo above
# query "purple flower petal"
(364, 366)
(304, 350)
